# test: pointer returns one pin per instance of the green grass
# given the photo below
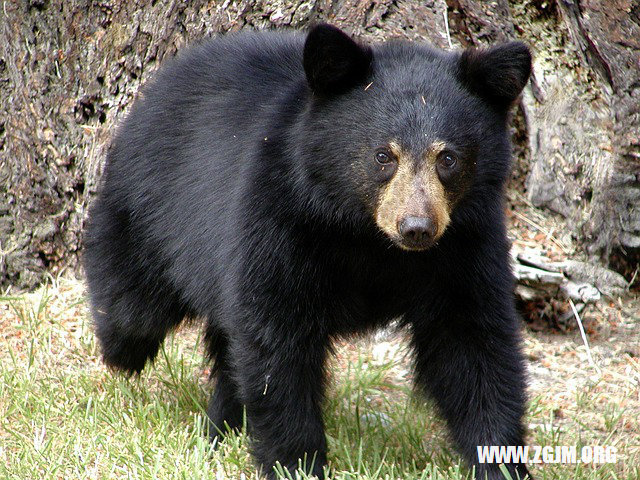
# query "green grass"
(64, 416)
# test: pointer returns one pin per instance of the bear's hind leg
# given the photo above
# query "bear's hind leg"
(132, 326)
(225, 410)
(133, 307)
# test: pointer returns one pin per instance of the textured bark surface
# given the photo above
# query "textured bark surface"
(70, 69)
(584, 124)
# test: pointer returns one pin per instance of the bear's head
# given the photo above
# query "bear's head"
(406, 135)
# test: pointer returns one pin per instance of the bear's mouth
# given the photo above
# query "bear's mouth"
(413, 246)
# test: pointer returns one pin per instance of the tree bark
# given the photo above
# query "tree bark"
(69, 70)
(584, 126)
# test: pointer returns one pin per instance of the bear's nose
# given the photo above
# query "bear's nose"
(417, 230)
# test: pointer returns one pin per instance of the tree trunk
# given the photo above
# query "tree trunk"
(70, 69)
(583, 117)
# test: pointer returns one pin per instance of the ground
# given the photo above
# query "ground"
(64, 415)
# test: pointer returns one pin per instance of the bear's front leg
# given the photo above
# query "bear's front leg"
(468, 358)
(280, 374)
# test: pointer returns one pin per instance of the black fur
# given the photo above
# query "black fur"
(498, 73)
(333, 62)
(241, 188)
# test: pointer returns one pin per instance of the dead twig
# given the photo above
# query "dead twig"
(584, 337)
(446, 26)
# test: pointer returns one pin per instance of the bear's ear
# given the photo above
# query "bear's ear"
(333, 62)
(497, 74)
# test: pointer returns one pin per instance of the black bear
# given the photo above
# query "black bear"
(294, 189)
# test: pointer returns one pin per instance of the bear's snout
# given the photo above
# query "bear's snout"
(417, 232)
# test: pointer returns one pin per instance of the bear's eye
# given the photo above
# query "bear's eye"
(383, 158)
(447, 160)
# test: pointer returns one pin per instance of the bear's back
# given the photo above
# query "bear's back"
(179, 162)
(224, 85)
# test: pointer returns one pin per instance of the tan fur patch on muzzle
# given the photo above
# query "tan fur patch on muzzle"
(413, 192)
